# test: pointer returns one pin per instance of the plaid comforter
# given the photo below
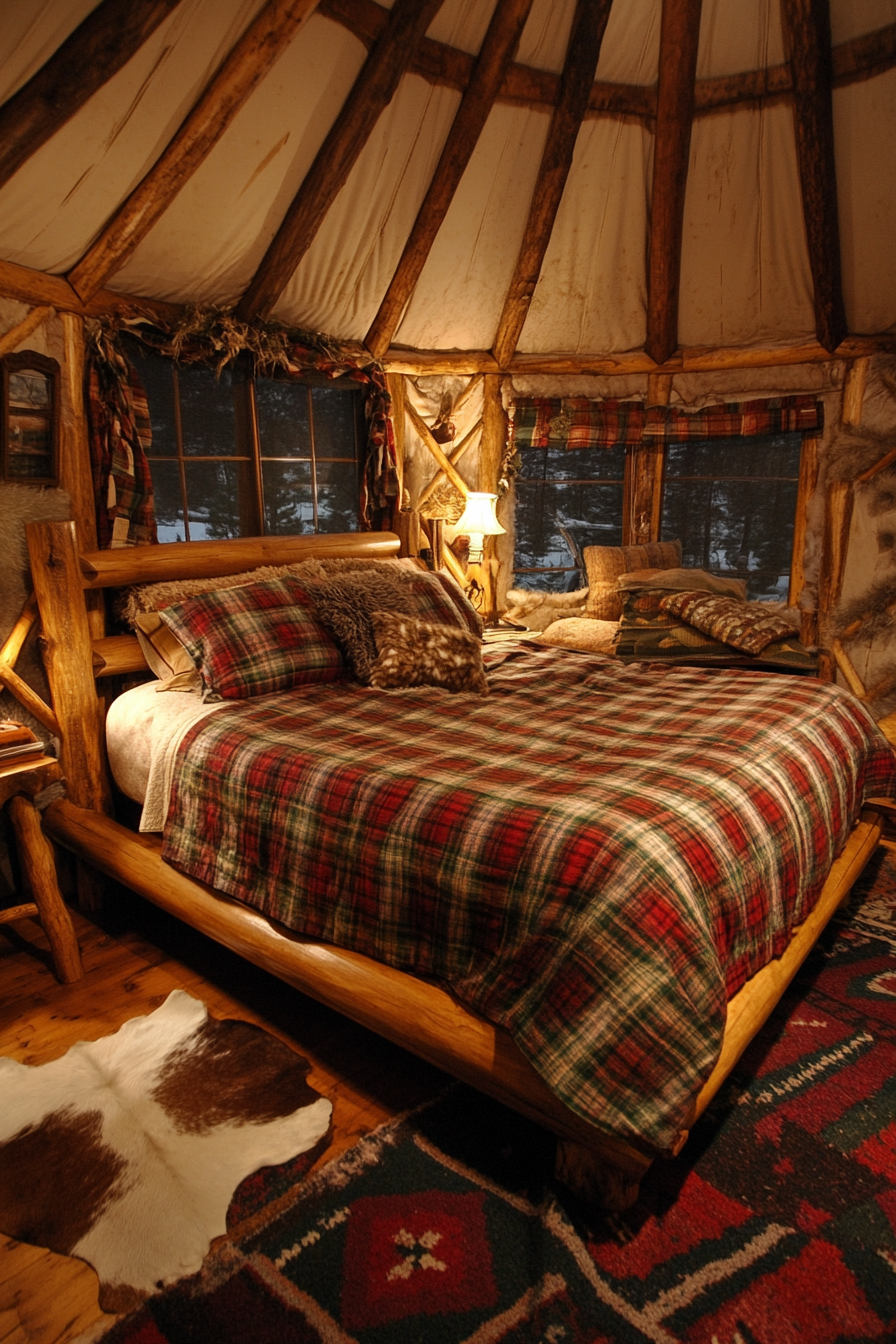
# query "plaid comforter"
(594, 856)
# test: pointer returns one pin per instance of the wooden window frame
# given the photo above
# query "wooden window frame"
(645, 479)
(643, 485)
(249, 456)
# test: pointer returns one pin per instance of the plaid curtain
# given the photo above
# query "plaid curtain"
(120, 433)
(575, 422)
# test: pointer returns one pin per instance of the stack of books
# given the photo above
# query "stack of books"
(17, 743)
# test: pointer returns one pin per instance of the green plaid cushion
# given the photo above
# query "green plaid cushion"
(253, 640)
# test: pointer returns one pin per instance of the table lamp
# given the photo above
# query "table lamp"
(477, 522)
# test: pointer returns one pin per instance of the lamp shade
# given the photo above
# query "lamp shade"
(478, 518)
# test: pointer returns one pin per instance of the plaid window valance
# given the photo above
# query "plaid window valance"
(576, 422)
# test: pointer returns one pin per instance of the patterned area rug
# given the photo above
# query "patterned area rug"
(777, 1224)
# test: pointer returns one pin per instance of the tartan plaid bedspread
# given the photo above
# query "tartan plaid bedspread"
(594, 856)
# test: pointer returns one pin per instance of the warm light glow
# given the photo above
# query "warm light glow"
(478, 521)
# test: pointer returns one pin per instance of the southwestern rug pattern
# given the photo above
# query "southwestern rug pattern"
(126, 1151)
(776, 1224)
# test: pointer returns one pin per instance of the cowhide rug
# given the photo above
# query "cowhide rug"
(126, 1151)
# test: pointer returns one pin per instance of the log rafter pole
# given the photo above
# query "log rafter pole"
(253, 55)
(372, 92)
(498, 48)
(582, 53)
(808, 35)
(858, 58)
(679, 36)
(87, 59)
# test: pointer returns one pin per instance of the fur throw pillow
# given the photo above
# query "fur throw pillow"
(411, 652)
(156, 596)
(539, 610)
(580, 632)
(346, 605)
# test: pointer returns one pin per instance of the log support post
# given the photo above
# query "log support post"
(645, 467)
(805, 490)
(68, 658)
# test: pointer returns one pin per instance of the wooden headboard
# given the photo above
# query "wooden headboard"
(77, 651)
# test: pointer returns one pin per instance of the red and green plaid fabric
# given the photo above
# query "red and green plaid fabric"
(254, 640)
(594, 856)
(120, 432)
(575, 422)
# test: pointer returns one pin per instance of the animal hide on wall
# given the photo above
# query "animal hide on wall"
(865, 618)
(127, 1150)
(21, 504)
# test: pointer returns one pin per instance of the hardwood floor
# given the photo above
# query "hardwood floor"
(131, 964)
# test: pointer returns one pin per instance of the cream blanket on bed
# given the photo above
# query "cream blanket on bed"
(143, 732)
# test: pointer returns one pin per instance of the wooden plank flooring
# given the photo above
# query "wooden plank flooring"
(131, 964)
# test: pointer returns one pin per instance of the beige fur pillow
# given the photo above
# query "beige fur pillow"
(580, 632)
(156, 596)
(411, 652)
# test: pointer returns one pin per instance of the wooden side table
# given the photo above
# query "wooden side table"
(18, 786)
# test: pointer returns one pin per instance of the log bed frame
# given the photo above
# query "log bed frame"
(415, 1014)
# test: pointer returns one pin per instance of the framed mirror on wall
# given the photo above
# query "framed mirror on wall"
(29, 426)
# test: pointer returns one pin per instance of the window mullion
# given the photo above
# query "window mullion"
(181, 467)
(313, 460)
(250, 409)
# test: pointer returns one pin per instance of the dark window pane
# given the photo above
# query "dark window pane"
(337, 507)
(207, 418)
(213, 500)
(156, 374)
(283, 424)
(566, 499)
(168, 502)
(334, 421)
(732, 503)
(288, 498)
(565, 464)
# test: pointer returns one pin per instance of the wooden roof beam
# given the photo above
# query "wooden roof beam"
(38, 287)
(372, 92)
(266, 38)
(576, 83)
(87, 59)
(687, 359)
(807, 32)
(679, 35)
(498, 48)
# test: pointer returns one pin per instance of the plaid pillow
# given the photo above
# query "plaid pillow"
(256, 639)
(470, 616)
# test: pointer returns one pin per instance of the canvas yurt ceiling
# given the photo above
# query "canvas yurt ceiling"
(533, 178)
